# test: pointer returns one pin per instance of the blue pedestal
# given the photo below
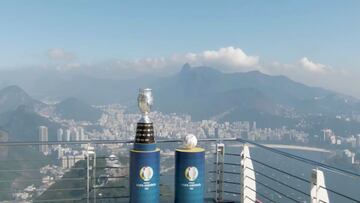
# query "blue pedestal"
(144, 147)
(144, 176)
(189, 175)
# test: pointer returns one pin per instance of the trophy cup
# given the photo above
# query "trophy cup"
(144, 157)
(145, 128)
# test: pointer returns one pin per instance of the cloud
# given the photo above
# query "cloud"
(228, 59)
(311, 66)
(317, 74)
(59, 54)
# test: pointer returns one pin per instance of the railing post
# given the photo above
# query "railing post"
(248, 184)
(219, 187)
(94, 177)
(318, 192)
(87, 178)
(90, 151)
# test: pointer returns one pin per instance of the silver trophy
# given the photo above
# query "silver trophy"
(145, 128)
(145, 101)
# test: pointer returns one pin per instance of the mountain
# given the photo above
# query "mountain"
(11, 97)
(76, 109)
(22, 124)
(202, 92)
(272, 101)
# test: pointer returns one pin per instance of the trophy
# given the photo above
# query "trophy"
(144, 181)
(145, 128)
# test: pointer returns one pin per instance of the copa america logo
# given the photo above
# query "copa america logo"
(191, 173)
(146, 173)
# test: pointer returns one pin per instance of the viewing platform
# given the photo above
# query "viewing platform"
(237, 170)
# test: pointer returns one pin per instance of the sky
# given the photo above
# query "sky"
(311, 41)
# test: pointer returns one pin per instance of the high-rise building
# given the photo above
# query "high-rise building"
(44, 137)
(3, 149)
(252, 136)
(358, 140)
(60, 134)
(75, 135)
(82, 134)
(60, 152)
(329, 136)
(216, 132)
(67, 135)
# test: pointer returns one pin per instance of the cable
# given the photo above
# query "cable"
(263, 184)
(57, 200)
(279, 170)
(302, 159)
(342, 195)
(277, 181)
(260, 194)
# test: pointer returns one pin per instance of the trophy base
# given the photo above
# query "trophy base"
(144, 147)
(189, 175)
(144, 179)
(144, 133)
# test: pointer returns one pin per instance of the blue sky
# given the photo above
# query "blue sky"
(280, 30)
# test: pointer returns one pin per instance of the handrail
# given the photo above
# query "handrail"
(15, 143)
(236, 164)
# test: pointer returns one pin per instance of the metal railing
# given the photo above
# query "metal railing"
(95, 175)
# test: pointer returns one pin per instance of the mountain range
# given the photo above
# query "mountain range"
(206, 93)
(272, 101)
(216, 92)
(12, 97)
(19, 117)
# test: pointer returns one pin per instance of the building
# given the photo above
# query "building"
(75, 136)
(60, 152)
(358, 140)
(44, 137)
(3, 149)
(254, 126)
(70, 160)
(82, 134)
(217, 132)
(252, 136)
(329, 136)
(67, 135)
(60, 134)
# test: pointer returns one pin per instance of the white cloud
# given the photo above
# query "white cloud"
(228, 59)
(311, 66)
(317, 74)
(60, 55)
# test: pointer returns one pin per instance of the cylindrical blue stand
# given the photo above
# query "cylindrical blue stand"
(189, 175)
(144, 176)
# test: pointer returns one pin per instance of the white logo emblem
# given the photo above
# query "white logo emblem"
(191, 173)
(146, 173)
